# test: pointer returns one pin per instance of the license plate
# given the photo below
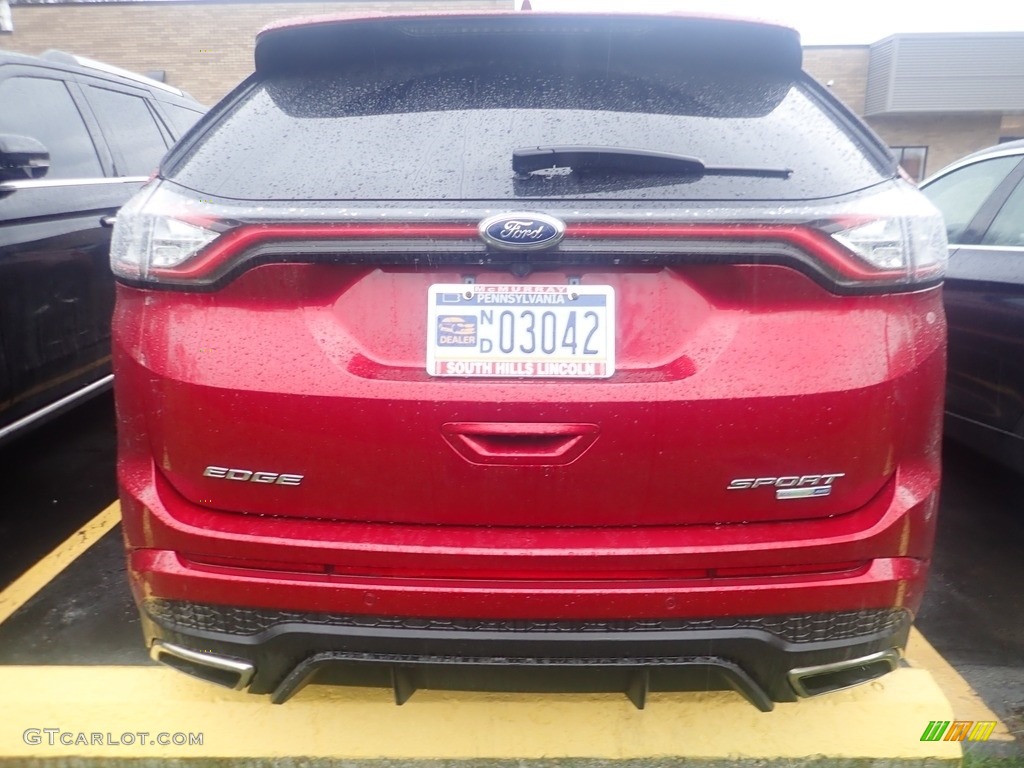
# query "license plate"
(529, 331)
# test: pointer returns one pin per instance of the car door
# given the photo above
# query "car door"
(983, 203)
(136, 138)
(56, 291)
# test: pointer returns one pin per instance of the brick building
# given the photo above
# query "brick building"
(932, 97)
(204, 47)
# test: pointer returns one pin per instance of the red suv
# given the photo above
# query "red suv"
(591, 343)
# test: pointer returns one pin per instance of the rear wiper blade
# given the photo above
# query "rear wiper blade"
(627, 161)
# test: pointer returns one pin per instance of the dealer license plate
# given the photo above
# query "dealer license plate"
(529, 331)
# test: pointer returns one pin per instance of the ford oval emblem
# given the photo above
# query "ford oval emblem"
(522, 231)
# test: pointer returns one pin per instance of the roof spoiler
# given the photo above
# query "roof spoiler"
(335, 41)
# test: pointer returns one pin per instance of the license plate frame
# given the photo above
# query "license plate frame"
(520, 331)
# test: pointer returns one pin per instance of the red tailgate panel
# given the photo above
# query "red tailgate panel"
(723, 372)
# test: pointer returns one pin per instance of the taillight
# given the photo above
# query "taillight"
(152, 236)
(877, 241)
(899, 234)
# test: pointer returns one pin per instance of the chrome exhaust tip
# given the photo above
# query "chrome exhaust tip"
(229, 673)
(826, 678)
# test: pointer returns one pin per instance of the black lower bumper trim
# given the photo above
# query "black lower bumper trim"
(641, 675)
(752, 656)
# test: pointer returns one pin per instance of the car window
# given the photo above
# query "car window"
(407, 133)
(181, 118)
(960, 194)
(1008, 226)
(43, 109)
(130, 129)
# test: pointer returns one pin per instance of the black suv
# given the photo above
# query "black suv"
(77, 139)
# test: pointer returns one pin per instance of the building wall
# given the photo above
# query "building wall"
(948, 137)
(948, 72)
(846, 67)
(1012, 127)
(205, 48)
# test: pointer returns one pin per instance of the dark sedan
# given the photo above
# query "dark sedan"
(982, 199)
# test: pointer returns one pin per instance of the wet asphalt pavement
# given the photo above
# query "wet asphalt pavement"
(62, 475)
(973, 612)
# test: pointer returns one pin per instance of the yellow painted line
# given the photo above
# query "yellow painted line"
(43, 572)
(881, 720)
(967, 705)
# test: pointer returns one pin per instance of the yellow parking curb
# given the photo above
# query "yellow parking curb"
(884, 719)
(967, 705)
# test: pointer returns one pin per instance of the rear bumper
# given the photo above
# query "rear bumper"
(766, 658)
(874, 557)
(271, 598)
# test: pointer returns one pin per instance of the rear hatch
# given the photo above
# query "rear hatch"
(749, 363)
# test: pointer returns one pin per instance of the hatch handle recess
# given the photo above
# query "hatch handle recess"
(544, 443)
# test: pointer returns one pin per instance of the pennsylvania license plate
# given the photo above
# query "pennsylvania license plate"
(530, 331)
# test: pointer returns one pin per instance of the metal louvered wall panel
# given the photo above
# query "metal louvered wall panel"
(879, 76)
(976, 72)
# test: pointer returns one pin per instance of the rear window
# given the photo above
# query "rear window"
(182, 117)
(130, 129)
(447, 131)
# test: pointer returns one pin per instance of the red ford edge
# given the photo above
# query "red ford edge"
(451, 347)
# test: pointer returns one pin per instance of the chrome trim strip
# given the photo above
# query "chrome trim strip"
(797, 676)
(243, 669)
(976, 423)
(110, 69)
(45, 411)
(11, 186)
(988, 247)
